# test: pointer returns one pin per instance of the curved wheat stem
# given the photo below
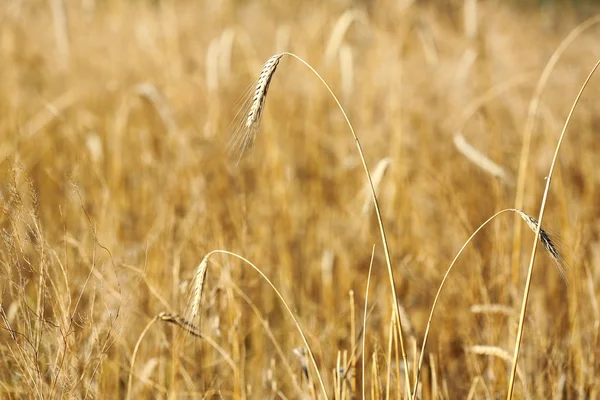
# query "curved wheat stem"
(528, 132)
(198, 289)
(552, 250)
(511, 383)
(252, 124)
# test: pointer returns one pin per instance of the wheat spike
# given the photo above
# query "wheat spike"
(181, 322)
(199, 287)
(260, 92)
(246, 127)
(547, 242)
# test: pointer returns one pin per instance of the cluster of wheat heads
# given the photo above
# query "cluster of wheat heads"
(245, 137)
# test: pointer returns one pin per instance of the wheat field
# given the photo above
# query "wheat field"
(163, 237)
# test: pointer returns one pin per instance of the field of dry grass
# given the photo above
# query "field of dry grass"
(116, 181)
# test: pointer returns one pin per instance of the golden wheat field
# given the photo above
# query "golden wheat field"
(179, 221)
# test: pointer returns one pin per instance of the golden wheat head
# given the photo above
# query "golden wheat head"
(246, 130)
(548, 243)
(198, 288)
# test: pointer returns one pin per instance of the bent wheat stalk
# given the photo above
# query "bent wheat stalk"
(552, 250)
(248, 135)
(199, 288)
(511, 382)
(528, 132)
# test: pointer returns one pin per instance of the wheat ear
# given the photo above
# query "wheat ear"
(259, 101)
(547, 242)
(247, 128)
(198, 288)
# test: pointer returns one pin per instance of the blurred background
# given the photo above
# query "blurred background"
(116, 181)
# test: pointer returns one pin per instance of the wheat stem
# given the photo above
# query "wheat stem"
(528, 132)
(377, 212)
(251, 128)
(552, 250)
(511, 383)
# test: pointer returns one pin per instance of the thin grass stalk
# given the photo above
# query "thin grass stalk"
(513, 372)
(135, 351)
(437, 296)
(502, 354)
(339, 31)
(388, 373)
(377, 212)
(364, 336)
(269, 333)
(352, 365)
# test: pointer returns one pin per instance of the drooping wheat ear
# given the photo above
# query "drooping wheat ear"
(247, 125)
(199, 288)
(266, 75)
(525, 300)
(193, 330)
(547, 242)
(530, 123)
(151, 93)
(260, 92)
(180, 322)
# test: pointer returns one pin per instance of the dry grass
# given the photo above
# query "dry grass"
(114, 123)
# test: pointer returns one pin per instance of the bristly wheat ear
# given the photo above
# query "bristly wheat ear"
(260, 92)
(199, 288)
(547, 242)
(247, 129)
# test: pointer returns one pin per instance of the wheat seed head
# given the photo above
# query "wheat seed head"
(198, 288)
(246, 129)
(547, 241)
